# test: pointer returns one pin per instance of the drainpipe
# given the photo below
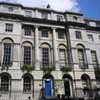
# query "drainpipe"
(70, 60)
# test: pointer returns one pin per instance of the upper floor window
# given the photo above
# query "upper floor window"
(78, 35)
(90, 37)
(45, 56)
(94, 58)
(45, 15)
(9, 27)
(61, 35)
(27, 31)
(59, 18)
(28, 13)
(75, 18)
(27, 55)
(11, 9)
(99, 37)
(44, 33)
(82, 56)
(62, 57)
(8, 52)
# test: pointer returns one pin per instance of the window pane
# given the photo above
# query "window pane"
(7, 54)
(78, 35)
(59, 18)
(9, 27)
(11, 9)
(60, 35)
(27, 55)
(44, 33)
(62, 57)
(67, 87)
(45, 56)
(90, 37)
(94, 58)
(28, 31)
(4, 83)
(28, 13)
(44, 15)
(81, 57)
(27, 84)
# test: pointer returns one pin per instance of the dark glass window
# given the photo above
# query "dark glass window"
(78, 35)
(62, 57)
(9, 27)
(28, 13)
(27, 55)
(75, 18)
(90, 37)
(81, 57)
(94, 58)
(27, 31)
(60, 35)
(59, 18)
(45, 15)
(45, 56)
(5, 83)
(7, 54)
(11, 9)
(67, 86)
(27, 84)
(44, 33)
(99, 37)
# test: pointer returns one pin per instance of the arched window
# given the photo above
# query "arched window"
(62, 56)
(27, 83)
(27, 48)
(86, 83)
(45, 54)
(81, 56)
(5, 83)
(8, 52)
(67, 85)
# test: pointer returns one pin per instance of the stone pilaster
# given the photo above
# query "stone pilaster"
(56, 58)
(37, 61)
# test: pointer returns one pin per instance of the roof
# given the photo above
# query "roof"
(41, 9)
(94, 20)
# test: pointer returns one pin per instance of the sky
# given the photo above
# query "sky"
(90, 8)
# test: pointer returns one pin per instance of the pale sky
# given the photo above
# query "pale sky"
(61, 5)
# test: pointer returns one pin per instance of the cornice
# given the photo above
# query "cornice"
(46, 21)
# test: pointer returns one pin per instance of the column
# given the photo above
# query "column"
(37, 61)
(1, 54)
(55, 52)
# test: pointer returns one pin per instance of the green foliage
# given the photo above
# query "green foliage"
(66, 69)
(27, 68)
(47, 69)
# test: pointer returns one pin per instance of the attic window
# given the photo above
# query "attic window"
(10, 9)
(75, 18)
(44, 15)
(28, 13)
(59, 18)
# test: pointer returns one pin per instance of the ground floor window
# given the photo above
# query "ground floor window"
(67, 85)
(27, 83)
(5, 83)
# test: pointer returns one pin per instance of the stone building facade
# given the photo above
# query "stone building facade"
(45, 53)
